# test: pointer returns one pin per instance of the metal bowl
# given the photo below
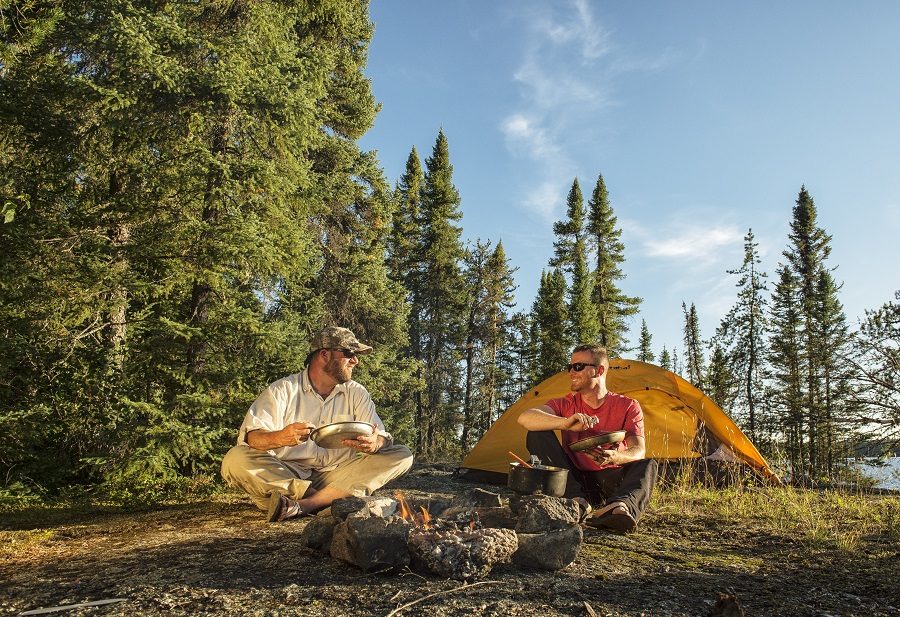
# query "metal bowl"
(597, 440)
(330, 436)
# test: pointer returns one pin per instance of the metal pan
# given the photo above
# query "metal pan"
(330, 436)
(597, 440)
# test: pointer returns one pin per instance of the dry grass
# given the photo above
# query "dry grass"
(829, 517)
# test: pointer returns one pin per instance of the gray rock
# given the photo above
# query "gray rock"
(477, 497)
(344, 507)
(317, 533)
(371, 542)
(363, 506)
(461, 555)
(551, 550)
(540, 513)
(500, 518)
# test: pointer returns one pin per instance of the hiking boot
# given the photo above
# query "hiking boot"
(283, 508)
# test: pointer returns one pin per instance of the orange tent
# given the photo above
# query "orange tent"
(678, 419)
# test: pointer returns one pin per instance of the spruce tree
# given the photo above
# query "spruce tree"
(490, 290)
(721, 384)
(570, 254)
(405, 266)
(645, 351)
(874, 406)
(442, 302)
(665, 360)
(742, 334)
(548, 330)
(786, 395)
(822, 331)
(613, 306)
(183, 180)
(693, 345)
(499, 299)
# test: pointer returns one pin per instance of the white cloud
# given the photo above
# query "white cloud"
(578, 28)
(526, 136)
(544, 200)
(566, 75)
(693, 243)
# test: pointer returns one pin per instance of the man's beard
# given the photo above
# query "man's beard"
(579, 384)
(340, 373)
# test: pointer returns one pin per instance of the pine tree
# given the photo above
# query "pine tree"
(874, 406)
(742, 333)
(570, 253)
(184, 180)
(832, 338)
(822, 330)
(442, 302)
(517, 359)
(665, 360)
(490, 287)
(721, 384)
(693, 346)
(405, 266)
(548, 319)
(786, 394)
(613, 306)
(645, 351)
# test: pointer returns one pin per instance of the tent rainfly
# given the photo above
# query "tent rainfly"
(680, 422)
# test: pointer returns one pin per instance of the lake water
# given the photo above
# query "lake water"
(886, 472)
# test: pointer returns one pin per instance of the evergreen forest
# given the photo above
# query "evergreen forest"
(184, 202)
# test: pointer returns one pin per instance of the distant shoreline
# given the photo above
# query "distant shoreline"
(886, 472)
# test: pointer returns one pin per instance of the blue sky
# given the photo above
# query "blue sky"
(705, 118)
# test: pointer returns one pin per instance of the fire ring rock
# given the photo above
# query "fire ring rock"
(461, 555)
(551, 550)
(543, 513)
(371, 542)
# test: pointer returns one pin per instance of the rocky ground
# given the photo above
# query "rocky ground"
(222, 558)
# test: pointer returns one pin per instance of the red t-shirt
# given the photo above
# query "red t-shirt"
(616, 413)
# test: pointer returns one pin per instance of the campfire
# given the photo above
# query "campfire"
(462, 538)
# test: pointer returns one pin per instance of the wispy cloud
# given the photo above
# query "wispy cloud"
(697, 243)
(566, 77)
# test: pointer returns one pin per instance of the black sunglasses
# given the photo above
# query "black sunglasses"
(579, 366)
(348, 353)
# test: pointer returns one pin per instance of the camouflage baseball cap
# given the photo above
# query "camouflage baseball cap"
(332, 337)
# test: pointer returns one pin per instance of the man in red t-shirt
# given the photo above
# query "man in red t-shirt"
(617, 478)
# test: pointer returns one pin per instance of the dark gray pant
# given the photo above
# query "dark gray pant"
(632, 483)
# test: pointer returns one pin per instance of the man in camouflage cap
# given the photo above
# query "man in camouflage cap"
(285, 473)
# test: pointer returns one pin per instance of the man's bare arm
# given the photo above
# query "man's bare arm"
(291, 435)
(635, 450)
(543, 419)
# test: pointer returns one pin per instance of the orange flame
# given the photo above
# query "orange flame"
(406, 513)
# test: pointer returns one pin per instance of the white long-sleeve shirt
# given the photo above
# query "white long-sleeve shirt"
(293, 399)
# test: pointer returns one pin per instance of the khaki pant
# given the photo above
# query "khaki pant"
(258, 473)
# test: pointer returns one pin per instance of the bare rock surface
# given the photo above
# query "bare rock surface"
(543, 513)
(371, 542)
(550, 550)
(221, 558)
(462, 555)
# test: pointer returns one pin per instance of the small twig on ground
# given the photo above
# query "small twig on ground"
(400, 609)
(407, 572)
